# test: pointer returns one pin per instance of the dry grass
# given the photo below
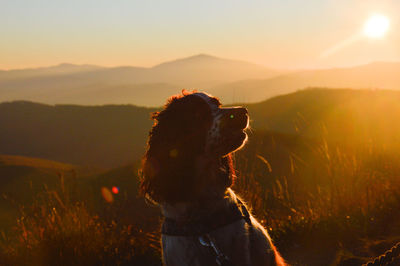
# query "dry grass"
(330, 196)
(311, 194)
(54, 231)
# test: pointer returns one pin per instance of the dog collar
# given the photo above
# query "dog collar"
(200, 227)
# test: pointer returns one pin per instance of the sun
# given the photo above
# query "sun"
(376, 26)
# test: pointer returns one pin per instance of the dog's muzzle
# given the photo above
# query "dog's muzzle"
(234, 118)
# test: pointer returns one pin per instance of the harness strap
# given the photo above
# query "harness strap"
(209, 241)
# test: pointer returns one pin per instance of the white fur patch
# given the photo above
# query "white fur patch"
(213, 135)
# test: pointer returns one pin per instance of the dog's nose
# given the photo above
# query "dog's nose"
(236, 117)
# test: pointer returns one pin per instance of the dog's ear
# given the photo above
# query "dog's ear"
(176, 139)
(230, 175)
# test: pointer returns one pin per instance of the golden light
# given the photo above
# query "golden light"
(376, 26)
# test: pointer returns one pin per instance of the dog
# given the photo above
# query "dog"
(188, 170)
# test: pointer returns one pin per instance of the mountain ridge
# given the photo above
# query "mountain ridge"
(138, 85)
(230, 80)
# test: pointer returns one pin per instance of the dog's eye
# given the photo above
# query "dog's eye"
(231, 116)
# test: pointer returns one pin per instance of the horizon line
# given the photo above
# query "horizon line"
(198, 55)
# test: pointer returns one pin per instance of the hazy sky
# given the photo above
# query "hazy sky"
(274, 33)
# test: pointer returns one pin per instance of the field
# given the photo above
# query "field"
(320, 171)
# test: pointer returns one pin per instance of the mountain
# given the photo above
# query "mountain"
(230, 80)
(124, 85)
(205, 71)
(382, 75)
(60, 69)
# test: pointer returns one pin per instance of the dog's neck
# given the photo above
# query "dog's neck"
(194, 210)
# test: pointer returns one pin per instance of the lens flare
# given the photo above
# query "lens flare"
(115, 190)
(107, 195)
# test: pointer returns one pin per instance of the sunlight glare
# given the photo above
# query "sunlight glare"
(376, 26)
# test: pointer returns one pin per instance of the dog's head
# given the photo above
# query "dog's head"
(227, 131)
(190, 146)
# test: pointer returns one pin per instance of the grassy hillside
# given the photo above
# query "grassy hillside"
(27, 184)
(22, 178)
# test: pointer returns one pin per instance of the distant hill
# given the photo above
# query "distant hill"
(231, 80)
(88, 85)
(34, 162)
(378, 75)
(61, 69)
(21, 176)
(102, 136)
(205, 71)
(111, 136)
(344, 115)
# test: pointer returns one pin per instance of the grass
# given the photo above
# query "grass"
(323, 195)
(57, 231)
(324, 203)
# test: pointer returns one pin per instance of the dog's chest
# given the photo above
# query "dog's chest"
(178, 250)
(233, 240)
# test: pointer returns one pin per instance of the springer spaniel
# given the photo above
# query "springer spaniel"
(187, 170)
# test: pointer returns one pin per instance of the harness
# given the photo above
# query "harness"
(202, 227)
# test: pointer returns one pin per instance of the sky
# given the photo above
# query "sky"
(283, 34)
